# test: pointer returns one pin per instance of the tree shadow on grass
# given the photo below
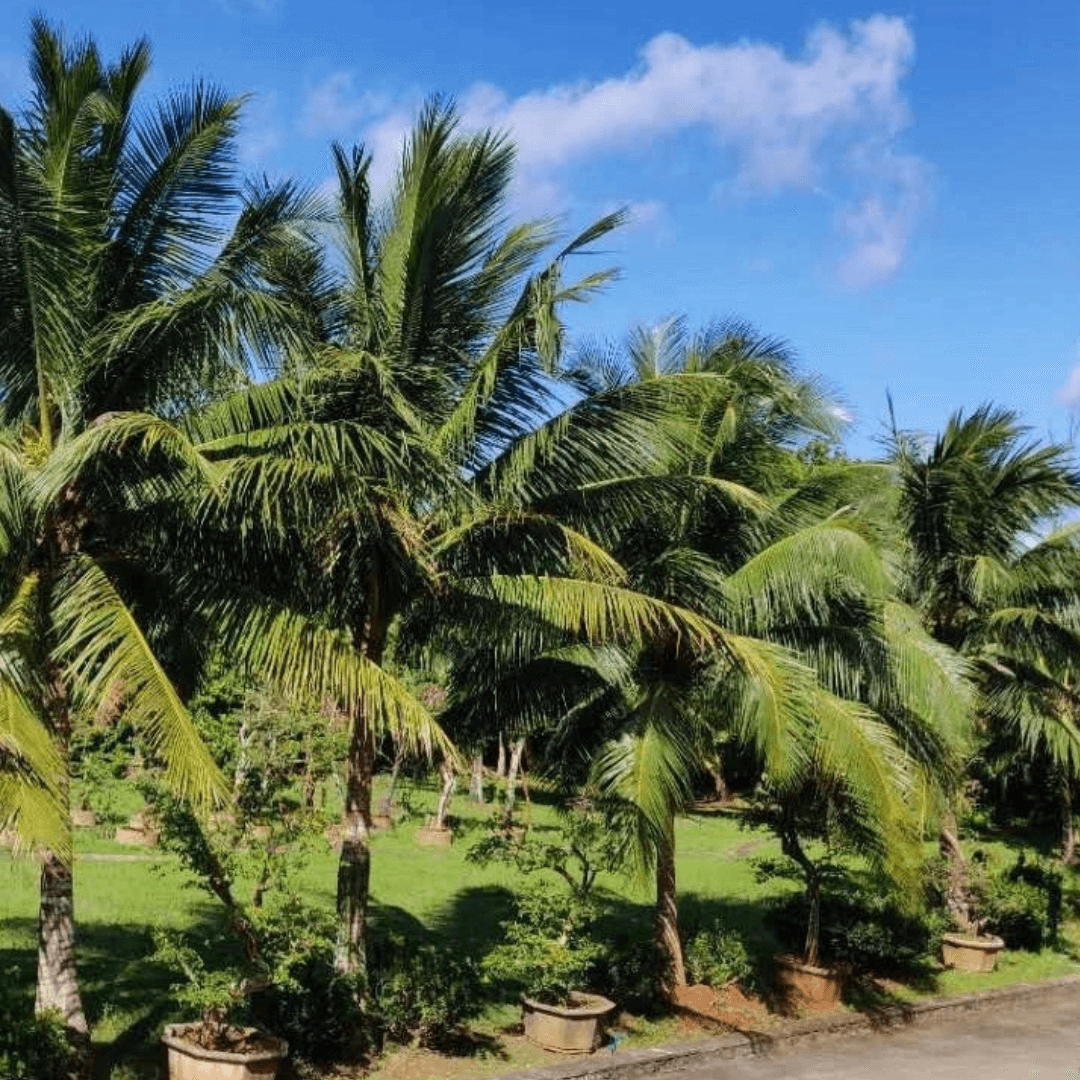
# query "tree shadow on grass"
(469, 923)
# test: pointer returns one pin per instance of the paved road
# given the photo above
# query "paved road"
(1019, 1042)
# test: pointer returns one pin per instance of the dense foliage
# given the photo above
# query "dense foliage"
(291, 486)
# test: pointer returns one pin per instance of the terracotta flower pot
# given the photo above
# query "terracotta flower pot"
(803, 982)
(967, 953)
(190, 1062)
(577, 1028)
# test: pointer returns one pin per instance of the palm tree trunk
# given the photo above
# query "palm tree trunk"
(957, 893)
(666, 919)
(511, 774)
(719, 785)
(354, 864)
(500, 765)
(57, 978)
(386, 807)
(57, 981)
(813, 927)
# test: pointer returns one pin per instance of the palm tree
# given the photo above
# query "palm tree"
(395, 472)
(994, 580)
(125, 302)
(819, 668)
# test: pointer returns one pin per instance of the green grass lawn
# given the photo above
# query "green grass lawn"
(431, 890)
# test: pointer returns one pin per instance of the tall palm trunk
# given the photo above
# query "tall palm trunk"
(500, 763)
(666, 918)
(57, 978)
(57, 981)
(354, 864)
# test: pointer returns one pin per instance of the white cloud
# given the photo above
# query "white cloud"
(334, 108)
(774, 111)
(645, 213)
(261, 133)
(1069, 394)
(824, 122)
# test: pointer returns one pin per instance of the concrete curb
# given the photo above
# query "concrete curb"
(677, 1057)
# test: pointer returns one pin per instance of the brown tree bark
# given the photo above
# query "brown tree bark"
(666, 919)
(500, 765)
(57, 981)
(354, 864)
(957, 892)
(57, 977)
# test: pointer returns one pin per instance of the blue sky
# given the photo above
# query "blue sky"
(890, 189)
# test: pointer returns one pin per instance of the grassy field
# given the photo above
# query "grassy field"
(122, 892)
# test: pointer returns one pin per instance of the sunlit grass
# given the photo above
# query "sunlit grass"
(123, 891)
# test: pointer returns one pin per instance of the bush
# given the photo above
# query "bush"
(34, 1048)
(864, 926)
(547, 948)
(1023, 905)
(717, 956)
(310, 1004)
(628, 972)
(420, 991)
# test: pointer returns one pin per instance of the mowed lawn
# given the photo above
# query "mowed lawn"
(123, 892)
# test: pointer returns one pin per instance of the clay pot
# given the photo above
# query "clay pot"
(83, 819)
(803, 982)
(971, 953)
(190, 1062)
(576, 1028)
(430, 836)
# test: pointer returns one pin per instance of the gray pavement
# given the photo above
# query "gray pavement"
(1024, 1041)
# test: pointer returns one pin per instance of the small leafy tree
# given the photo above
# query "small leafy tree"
(817, 822)
(547, 947)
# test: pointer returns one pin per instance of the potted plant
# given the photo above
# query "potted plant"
(965, 890)
(547, 950)
(214, 1047)
(810, 810)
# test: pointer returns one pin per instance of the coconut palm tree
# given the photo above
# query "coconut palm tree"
(993, 574)
(439, 351)
(127, 300)
(824, 673)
